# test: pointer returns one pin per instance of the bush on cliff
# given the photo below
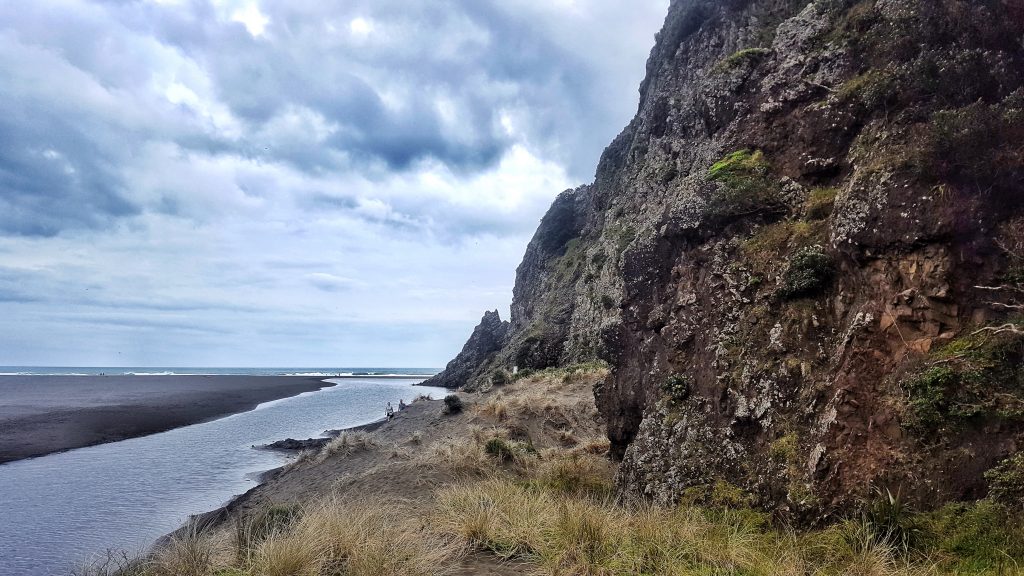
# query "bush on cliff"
(452, 404)
(810, 271)
(976, 377)
(1006, 482)
(744, 184)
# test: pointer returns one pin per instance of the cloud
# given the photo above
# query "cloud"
(224, 163)
(330, 282)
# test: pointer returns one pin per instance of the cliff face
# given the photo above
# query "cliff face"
(801, 259)
(487, 339)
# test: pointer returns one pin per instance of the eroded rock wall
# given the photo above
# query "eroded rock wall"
(813, 203)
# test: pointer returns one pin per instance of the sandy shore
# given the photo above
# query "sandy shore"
(44, 414)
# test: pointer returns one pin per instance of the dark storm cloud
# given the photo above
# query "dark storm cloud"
(371, 87)
(52, 177)
(244, 182)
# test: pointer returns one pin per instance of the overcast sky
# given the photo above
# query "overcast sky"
(290, 183)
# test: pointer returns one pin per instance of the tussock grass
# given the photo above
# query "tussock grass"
(347, 443)
(487, 452)
(497, 514)
(565, 534)
(288, 555)
(582, 475)
(374, 539)
(463, 458)
(331, 537)
(190, 552)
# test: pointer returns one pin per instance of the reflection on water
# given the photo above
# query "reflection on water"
(60, 509)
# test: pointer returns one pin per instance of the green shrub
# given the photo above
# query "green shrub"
(1006, 482)
(524, 373)
(500, 377)
(742, 58)
(499, 449)
(871, 90)
(977, 376)
(744, 183)
(677, 388)
(978, 143)
(737, 168)
(810, 271)
(820, 203)
(784, 449)
(973, 538)
(452, 404)
(929, 396)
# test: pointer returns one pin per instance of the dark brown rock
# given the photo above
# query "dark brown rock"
(881, 135)
(487, 339)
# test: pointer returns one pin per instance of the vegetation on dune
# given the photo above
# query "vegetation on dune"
(553, 510)
(572, 532)
(452, 404)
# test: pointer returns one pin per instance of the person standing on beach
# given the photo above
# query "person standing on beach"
(389, 411)
(401, 405)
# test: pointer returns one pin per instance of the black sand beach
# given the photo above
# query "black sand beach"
(44, 414)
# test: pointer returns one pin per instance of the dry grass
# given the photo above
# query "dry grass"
(463, 458)
(582, 475)
(288, 555)
(347, 443)
(190, 552)
(333, 537)
(374, 539)
(301, 458)
(111, 564)
(562, 533)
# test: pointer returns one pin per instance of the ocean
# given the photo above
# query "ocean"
(60, 510)
(179, 371)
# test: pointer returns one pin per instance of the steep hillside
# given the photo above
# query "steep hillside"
(802, 259)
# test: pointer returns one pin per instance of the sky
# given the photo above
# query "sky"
(301, 183)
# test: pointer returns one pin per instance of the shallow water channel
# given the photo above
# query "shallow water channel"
(59, 510)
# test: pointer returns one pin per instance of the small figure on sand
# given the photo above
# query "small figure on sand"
(401, 404)
(389, 411)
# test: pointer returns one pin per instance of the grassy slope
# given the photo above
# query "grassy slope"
(520, 483)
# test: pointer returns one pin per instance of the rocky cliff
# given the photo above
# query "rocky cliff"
(487, 339)
(801, 259)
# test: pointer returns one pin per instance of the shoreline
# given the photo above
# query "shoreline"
(216, 516)
(154, 404)
(282, 486)
(294, 446)
(401, 464)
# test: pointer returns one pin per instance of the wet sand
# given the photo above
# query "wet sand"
(44, 414)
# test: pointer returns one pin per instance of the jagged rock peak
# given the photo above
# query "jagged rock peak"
(487, 338)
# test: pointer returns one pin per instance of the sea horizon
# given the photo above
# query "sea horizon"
(309, 371)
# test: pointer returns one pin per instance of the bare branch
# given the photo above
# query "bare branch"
(1004, 329)
(1006, 306)
(1000, 288)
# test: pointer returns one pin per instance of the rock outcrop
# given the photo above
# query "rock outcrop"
(487, 339)
(802, 259)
